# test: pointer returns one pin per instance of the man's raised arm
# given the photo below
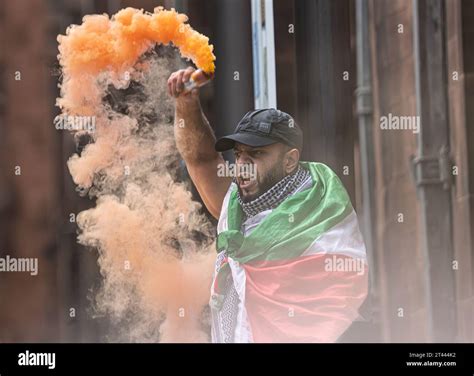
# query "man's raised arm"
(195, 141)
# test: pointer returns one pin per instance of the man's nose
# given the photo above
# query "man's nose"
(243, 159)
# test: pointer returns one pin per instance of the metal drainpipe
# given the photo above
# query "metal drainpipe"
(367, 155)
(263, 43)
(432, 167)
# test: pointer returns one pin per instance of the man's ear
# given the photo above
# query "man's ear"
(292, 158)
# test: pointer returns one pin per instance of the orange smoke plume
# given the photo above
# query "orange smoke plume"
(116, 44)
(102, 43)
(155, 245)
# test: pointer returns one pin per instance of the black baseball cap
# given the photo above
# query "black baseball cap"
(264, 127)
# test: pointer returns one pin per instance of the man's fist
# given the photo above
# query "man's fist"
(176, 83)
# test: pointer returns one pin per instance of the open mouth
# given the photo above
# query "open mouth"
(245, 182)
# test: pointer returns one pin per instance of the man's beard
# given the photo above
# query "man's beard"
(265, 182)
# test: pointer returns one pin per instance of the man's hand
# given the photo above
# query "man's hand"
(176, 84)
(195, 141)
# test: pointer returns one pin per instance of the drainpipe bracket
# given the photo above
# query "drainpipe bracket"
(364, 100)
(432, 170)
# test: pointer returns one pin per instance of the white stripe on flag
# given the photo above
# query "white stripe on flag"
(343, 238)
(222, 225)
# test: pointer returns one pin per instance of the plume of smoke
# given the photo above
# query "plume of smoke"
(155, 246)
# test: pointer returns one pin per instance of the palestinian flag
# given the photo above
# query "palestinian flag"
(301, 273)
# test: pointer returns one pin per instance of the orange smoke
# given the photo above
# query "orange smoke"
(101, 43)
(155, 246)
(115, 44)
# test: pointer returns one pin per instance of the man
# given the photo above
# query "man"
(291, 263)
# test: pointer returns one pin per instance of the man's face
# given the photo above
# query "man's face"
(269, 164)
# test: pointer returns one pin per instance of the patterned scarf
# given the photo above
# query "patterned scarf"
(275, 195)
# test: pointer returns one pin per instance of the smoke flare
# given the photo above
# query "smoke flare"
(155, 246)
